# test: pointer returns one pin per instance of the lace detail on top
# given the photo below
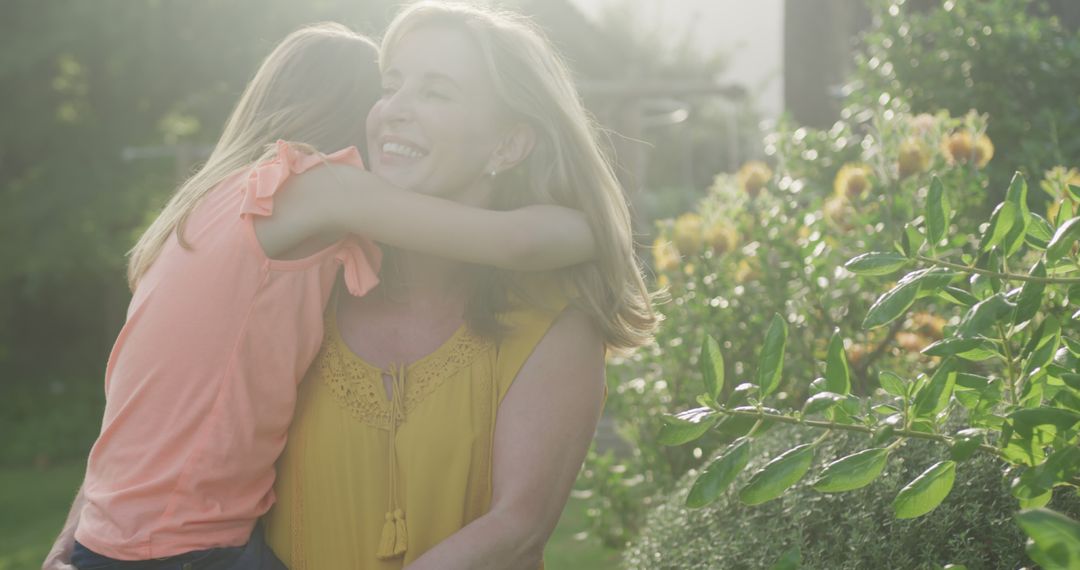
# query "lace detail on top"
(358, 387)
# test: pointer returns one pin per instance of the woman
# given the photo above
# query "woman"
(448, 413)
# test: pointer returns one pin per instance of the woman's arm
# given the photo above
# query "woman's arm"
(542, 432)
(338, 199)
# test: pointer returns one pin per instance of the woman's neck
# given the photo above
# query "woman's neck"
(423, 283)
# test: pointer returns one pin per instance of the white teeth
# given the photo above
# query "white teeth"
(400, 149)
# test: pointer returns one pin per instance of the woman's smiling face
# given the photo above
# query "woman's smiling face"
(439, 121)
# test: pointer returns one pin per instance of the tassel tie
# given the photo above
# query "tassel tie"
(394, 540)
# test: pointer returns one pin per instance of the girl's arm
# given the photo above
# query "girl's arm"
(542, 432)
(334, 199)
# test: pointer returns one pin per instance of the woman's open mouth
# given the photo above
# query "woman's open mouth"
(400, 151)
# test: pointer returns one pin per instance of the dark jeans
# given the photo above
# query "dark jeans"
(255, 555)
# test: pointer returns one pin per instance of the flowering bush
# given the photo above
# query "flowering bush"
(773, 239)
(1009, 371)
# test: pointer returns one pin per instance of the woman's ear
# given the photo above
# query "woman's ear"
(514, 148)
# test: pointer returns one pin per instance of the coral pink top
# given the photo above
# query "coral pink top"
(201, 383)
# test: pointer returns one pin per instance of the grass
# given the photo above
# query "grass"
(35, 502)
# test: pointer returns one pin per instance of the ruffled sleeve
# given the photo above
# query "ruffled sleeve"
(268, 177)
(360, 259)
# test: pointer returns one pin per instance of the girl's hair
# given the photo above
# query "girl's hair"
(314, 89)
(565, 167)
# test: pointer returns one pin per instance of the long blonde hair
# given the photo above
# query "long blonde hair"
(315, 88)
(566, 166)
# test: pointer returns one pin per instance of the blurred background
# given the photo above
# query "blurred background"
(105, 106)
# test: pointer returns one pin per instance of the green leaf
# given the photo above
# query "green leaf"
(935, 396)
(1042, 346)
(790, 560)
(1039, 231)
(1031, 295)
(911, 241)
(741, 394)
(820, 402)
(965, 443)
(926, 491)
(983, 315)
(782, 472)
(1055, 538)
(1064, 237)
(934, 280)
(976, 348)
(712, 367)
(892, 304)
(1074, 192)
(686, 426)
(837, 371)
(1025, 421)
(1017, 195)
(957, 296)
(892, 383)
(719, 475)
(876, 263)
(771, 360)
(1001, 221)
(852, 472)
(937, 212)
(1059, 469)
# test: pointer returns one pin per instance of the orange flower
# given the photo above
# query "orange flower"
(753, 176)
(911, 342)
(961, 148)
(928, 325)
(721, 237)
(852, 180)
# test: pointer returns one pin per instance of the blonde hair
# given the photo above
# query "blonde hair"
(566, 165)
(315, 89)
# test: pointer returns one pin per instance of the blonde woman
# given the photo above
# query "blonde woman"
(448, 412)
(230, 286)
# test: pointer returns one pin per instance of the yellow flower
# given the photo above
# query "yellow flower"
(753, 176)
(721, 237)
(852, 181)
(747, 270)
(665, 255)
(961, 148)
(688, 233)
(913, 158)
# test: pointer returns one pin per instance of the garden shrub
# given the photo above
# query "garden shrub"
(853, 530)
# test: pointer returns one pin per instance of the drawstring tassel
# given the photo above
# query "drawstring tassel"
(401, 542)
(388, 540)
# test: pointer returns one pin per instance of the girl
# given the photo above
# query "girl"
(229, 288)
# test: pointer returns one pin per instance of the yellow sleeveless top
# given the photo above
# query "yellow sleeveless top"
(370, 483)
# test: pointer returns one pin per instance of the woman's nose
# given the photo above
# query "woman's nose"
(398, 106)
